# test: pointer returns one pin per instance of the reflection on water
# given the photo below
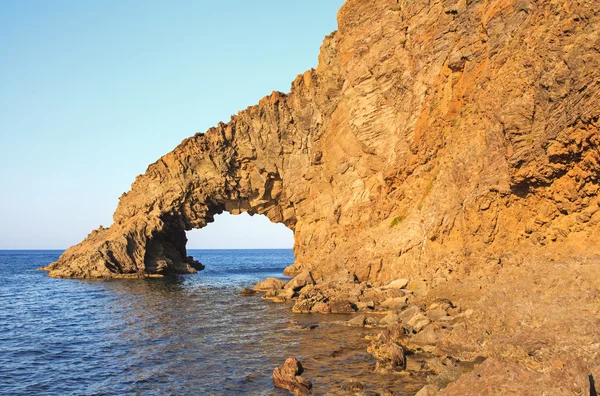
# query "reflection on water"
(180, 335)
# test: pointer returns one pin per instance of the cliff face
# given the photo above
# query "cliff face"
(435, 138)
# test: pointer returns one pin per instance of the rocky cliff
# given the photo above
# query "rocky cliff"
(434, 139)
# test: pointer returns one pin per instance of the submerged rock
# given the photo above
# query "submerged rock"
(353, 386)
(248, 292)
(289, 377)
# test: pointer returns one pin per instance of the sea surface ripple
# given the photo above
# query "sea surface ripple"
(184, 335)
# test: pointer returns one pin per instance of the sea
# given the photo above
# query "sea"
(180, 335)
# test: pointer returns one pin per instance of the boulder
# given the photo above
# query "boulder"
(357, 321)
(394, 303)
(389, 355)
(418, 322)
(321, 307)
(269, 284)
(301, 280)
(389, 319)
(286, 294)
(426, 337)
(397, 284)
(408, 313)
(341, 307)
(289, 377)
(308, 298)
(362, 305)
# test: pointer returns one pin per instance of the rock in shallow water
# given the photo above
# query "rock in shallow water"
(248, 292)
(269, 284)
(301, 280)
(289, 377)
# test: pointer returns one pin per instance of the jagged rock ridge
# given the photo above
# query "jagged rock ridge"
(434, 137)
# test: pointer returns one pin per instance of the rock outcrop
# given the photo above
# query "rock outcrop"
(434, 139)
(289, 376)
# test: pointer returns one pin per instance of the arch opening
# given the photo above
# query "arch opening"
(241, 231)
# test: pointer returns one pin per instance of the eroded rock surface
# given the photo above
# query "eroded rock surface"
(434, 137)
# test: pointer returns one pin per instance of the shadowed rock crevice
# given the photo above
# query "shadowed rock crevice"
(435, 139)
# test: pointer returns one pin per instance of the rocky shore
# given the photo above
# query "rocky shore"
(440, 170)
(465, 339)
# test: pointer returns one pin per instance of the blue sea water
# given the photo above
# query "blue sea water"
(184, 335)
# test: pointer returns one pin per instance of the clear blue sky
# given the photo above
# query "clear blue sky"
(91, 92)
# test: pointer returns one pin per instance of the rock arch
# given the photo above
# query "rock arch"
(238, 167)
(433, 138)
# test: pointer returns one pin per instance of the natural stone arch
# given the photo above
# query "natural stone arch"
(235, 167)
(408, 151)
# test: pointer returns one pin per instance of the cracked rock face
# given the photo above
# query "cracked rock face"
(437, 137)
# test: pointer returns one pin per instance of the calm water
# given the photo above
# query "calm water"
(182, 335)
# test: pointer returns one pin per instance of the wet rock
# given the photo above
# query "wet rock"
(289, 377)
(301, 280)
(310, 327)
(353, 386)
(195, 264)
(247, 292)
(279, 296)
(397, 284)
(428, 390)
(269, 284)
(341, 307)
(357, 321)
(389, 355)
(321, 307)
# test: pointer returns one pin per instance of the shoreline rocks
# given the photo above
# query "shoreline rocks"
(289, 377)
(269, 284)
